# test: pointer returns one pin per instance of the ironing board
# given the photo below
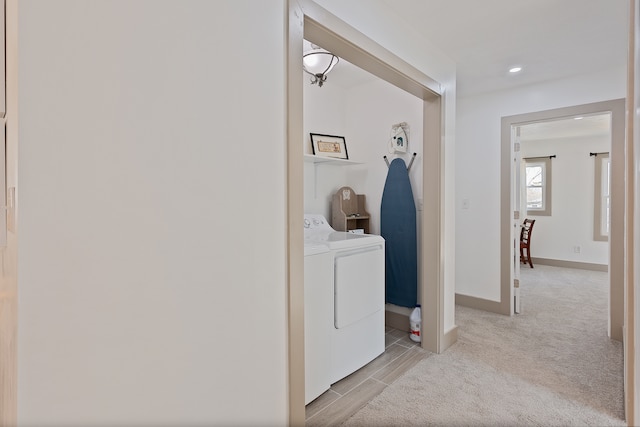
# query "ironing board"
(398, 227)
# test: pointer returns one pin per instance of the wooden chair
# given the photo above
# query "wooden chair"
(525, 241)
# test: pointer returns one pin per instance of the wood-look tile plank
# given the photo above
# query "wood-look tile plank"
(406, 341)
(321, 402)
(350, 394)
(398, 334)
(343, 408)
(350, 382)
(389, 339)
(400, 365)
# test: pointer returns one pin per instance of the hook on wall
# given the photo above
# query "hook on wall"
(411, 162)
(413, 157)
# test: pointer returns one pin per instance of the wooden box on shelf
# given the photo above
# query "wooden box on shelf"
(347, 211)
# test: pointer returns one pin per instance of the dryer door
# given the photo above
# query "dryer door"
(358, 284)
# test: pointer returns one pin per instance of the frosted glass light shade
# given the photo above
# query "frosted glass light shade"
(318, 63)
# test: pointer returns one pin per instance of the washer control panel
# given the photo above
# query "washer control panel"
(316, 222)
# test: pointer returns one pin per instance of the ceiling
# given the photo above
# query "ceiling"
(572, 127)
(549, 39)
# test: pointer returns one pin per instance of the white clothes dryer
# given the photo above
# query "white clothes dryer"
(358, 264)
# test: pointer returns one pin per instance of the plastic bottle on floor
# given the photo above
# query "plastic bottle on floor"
(415, 323)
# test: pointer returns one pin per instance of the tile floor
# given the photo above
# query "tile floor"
(349, 395)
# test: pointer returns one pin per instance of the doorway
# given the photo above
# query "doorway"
(308, 21)
(616, 109)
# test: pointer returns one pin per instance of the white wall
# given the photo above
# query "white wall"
(363, 114)
(572, 199)
(324, 113)
(478, 167)
(149, 150)
(372, 109)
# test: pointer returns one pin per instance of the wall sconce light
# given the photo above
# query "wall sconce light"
(318, 62)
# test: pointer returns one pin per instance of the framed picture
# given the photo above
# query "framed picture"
(329, 146)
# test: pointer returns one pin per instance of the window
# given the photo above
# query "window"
(602, 202)
(535, 181)
(538, 185)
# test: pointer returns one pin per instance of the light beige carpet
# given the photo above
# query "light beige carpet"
(551, 365)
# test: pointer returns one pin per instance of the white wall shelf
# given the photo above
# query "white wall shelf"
(318, 160)
(310, 158)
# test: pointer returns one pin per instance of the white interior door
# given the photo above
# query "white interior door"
(519, 210)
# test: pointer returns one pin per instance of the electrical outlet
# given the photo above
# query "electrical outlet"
(465, 203)
(576, 249)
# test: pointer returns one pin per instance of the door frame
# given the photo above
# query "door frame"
(307, 20)
(616, 235)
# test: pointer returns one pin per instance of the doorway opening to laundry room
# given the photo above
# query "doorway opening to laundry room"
(349, 123)
(564, 170)
(317, 26)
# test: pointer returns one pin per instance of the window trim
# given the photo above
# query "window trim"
(546, 185)
(598, 236)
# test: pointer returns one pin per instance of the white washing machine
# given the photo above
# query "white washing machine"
(318, 315)
(358, 294)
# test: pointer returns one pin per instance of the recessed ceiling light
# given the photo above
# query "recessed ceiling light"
(515, 69)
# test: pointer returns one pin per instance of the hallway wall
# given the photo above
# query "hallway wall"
(144, 298)
(572, 206)
(478, 167)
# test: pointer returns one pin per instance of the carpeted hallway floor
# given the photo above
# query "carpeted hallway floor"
(551, 365)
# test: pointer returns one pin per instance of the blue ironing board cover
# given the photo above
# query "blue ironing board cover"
(398, 227)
